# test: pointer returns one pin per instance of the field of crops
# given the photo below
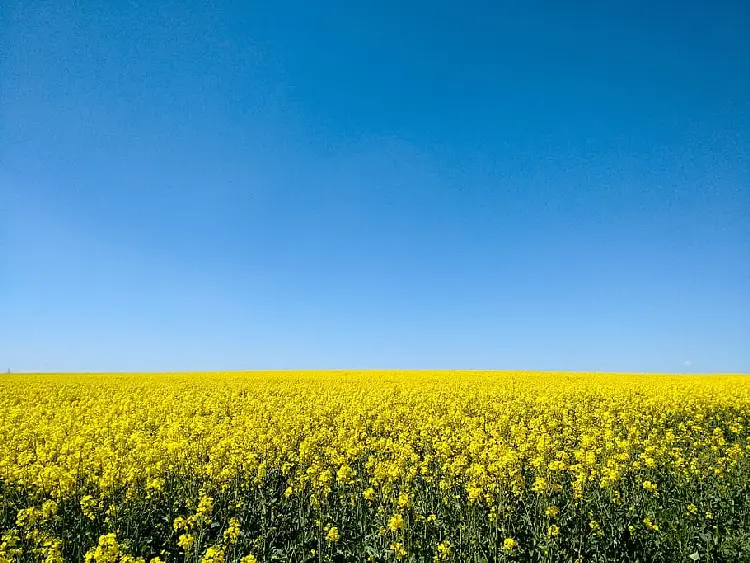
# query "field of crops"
(374, 466)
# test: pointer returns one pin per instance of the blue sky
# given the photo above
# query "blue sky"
(264, 185)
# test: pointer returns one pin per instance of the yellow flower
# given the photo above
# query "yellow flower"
(179, 524)
(205, 506)
(214, 554)
(509, 544)
(325, 478)
(540, 485)
(28, 517)
(249, 559)
(649, 486)
(403, 500)
(88, 506)
(156, 484)
(107, 551)
(49, 508)
(398, 550)
(444, 550)
(552, 511)
(333, 534)
(553, 531)
(345, 475)
(51, 550)
(475, 493)
(396, 523)
(232, 533)
(185, 541)
(650, 525)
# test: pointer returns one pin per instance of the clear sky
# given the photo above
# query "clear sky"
(261, 185)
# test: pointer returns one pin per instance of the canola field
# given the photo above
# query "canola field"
(374, 466)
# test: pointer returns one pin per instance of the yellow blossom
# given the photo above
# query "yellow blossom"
(396, 523)
(398, 550)
(185, 541)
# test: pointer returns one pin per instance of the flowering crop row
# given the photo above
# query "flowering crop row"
(374, 466)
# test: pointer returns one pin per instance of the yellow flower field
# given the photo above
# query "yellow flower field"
(374, 466)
